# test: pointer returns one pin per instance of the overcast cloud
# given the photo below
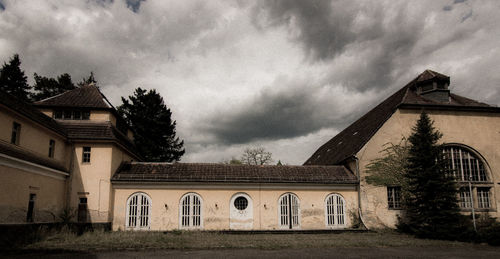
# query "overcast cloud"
(287, 75)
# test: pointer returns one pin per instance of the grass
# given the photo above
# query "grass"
(92, 241)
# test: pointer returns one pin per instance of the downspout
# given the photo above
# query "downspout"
(360, 211)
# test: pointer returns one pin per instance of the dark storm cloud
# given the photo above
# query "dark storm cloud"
(2, 5)
(327, 30)
(296, 110)
(134, 5)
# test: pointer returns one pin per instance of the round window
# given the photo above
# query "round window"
(241, 203)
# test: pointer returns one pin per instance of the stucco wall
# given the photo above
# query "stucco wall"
(216, 205)
(16, 186)
(33, 136)
(479, 131)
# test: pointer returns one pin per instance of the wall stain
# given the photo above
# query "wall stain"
(312, 212)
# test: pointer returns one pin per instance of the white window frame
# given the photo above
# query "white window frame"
(335, 213)
(89, 152)
(137, 214)
(284, 219)
(391, 193)
(483, 197)
(190, 208)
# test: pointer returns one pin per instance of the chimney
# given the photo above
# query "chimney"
(434, 86)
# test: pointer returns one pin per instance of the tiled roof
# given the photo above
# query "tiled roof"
(23, 154)
(30, 112)
(199, 172)
(96, 130)
(349, 141)
(87, 96)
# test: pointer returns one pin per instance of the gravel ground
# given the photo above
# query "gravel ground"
(478, 251)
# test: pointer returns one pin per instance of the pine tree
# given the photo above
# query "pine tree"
(13, 80)
(431, 208)
(88, 81)
(47, 87)
(150, 119)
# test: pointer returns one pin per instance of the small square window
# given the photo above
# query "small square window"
(52, 147)
(58, 114)
(77, 115)
(67, 115)
(16, 133)
(85, 115)
(86, 155)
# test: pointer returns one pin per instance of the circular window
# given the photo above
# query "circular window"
(241, 203)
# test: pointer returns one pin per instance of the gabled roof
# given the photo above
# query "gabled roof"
(349, 141)
(87, 96)
(23, 154)
(30, 112)
(222, 173)
(97, 131)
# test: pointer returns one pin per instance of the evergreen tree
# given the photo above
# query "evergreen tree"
(47, 87)
(151, 121)
(13, 80)
(431, 208)
(88, 81)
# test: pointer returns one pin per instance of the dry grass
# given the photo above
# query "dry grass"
(211, 240)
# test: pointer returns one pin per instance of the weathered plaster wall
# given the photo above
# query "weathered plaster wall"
(34, 137)
(216, 205)
(16, 186)
(477, 130)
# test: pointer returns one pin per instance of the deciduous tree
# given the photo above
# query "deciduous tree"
(256, 156)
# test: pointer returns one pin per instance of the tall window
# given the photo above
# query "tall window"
(394, 197)
(190, 211)
(335, 210)
(138, 212)
(466, 166)
(483, 197)
(16, 133)
(289, 211)
(465, 198)
(86, 155)
(52, 147)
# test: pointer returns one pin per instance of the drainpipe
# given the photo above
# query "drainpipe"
(360, 211)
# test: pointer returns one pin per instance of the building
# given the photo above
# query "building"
(73, 152)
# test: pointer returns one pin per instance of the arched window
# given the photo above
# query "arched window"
(190, 211)
(138, 211)
(289, 211)
(335, 210)
(467, 166)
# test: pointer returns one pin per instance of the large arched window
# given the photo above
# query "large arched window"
(138, 211)
(190, 212)
(289, 211)
(335, 211)
(467, 166)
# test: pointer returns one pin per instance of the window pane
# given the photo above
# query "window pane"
(85, 115)
(67, 115)
(483, 196)
(77, 115)
(58, 114)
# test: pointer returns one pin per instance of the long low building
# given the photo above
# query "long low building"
(73, 152)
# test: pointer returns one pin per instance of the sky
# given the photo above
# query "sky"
(286, 75)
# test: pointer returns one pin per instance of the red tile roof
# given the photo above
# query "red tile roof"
(213, 173)
(349, 141)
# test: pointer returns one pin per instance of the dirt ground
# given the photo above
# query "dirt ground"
(353, 252)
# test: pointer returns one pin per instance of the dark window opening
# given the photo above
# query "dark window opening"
(31, 208)
(241, 203)
(58, 114)
(72, 114)
(52, 147)
(82, 210)
(16, 133)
